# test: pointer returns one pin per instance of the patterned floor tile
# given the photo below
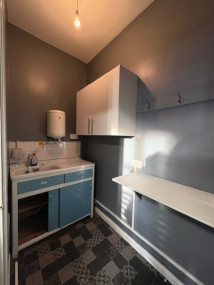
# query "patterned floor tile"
(65, 239)
(81, 271)
(102, 278)
(145, 277)
(30, 268)
(78, 241)
(71, 251)
(120, 279)
(90, 226)
(119, 245)
(54, 243)
(58, 252)
(99, 263)
(45, 260)
(127, 253)
(119, 260)
(35, 279)
(85, 233)
(88, 257)
(89, 252)
(111, 269)
(98, 236)
(112, 252)
(66, 273)
(43, 248)
(113, 238)
(83, 248)
(52, 280)
(129, 272)
(105, 230)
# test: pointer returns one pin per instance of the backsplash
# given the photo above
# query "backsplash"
(58, 150)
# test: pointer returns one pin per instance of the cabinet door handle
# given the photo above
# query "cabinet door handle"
(92, 126)
(50, 198)
(89, 126)
(80, 175)
(44, 182)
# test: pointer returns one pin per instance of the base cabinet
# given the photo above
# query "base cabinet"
(75, 202)
(43, 205)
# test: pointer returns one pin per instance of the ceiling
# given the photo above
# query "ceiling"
(53, 22)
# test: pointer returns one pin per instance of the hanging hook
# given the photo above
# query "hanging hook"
(180, 98)
(149, 105)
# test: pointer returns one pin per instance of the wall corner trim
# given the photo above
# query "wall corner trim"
(162, 269)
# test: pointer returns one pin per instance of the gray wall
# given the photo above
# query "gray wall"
(170, 47)
(39, 78)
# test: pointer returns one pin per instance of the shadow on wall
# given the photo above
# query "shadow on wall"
(175, 144)
(106, 153)
(183, 166)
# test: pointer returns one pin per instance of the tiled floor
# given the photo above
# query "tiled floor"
(88, 252)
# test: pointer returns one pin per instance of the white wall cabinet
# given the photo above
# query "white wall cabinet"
(107, 106)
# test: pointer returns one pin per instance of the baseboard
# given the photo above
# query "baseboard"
(162, 269)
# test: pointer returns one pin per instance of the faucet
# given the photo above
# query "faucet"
(27, 163)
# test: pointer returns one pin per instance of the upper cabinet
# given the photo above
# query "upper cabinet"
(107, 106)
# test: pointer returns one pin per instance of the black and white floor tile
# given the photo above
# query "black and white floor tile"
(89, 252)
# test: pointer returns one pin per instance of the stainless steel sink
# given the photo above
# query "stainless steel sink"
(25, 170)
(22, 171)
(48, 167)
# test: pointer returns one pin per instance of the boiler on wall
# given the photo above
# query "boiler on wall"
(55, 124)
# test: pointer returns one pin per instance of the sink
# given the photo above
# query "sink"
(48, 167)
(22, 171)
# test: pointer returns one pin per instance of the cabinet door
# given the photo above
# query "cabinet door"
(83, 112)
(98, 103)
(75, 202)
(53, 210)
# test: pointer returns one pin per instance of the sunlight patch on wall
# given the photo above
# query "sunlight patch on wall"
(155, 142)
(126, 199)
(129, 153)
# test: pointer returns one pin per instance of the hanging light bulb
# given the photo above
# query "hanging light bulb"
(77, 17)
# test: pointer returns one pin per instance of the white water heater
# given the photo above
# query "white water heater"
(55, 124)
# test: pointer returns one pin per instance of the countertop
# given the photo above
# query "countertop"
(192, 202)
(18, 172)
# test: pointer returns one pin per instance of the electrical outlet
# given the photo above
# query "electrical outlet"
(137, 164)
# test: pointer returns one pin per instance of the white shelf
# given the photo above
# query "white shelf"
(192, 202)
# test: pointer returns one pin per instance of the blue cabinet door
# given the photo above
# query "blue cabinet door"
(53, 210)
(75, 202)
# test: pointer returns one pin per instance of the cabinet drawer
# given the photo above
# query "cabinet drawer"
(78, 175)
(36, 184)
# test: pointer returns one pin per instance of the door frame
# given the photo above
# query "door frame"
(4, 228)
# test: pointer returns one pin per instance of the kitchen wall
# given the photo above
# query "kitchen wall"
(40, 77)
(59, 151)
(170, 47)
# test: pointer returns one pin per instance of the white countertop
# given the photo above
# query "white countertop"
(192, 202)
(51, 167)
